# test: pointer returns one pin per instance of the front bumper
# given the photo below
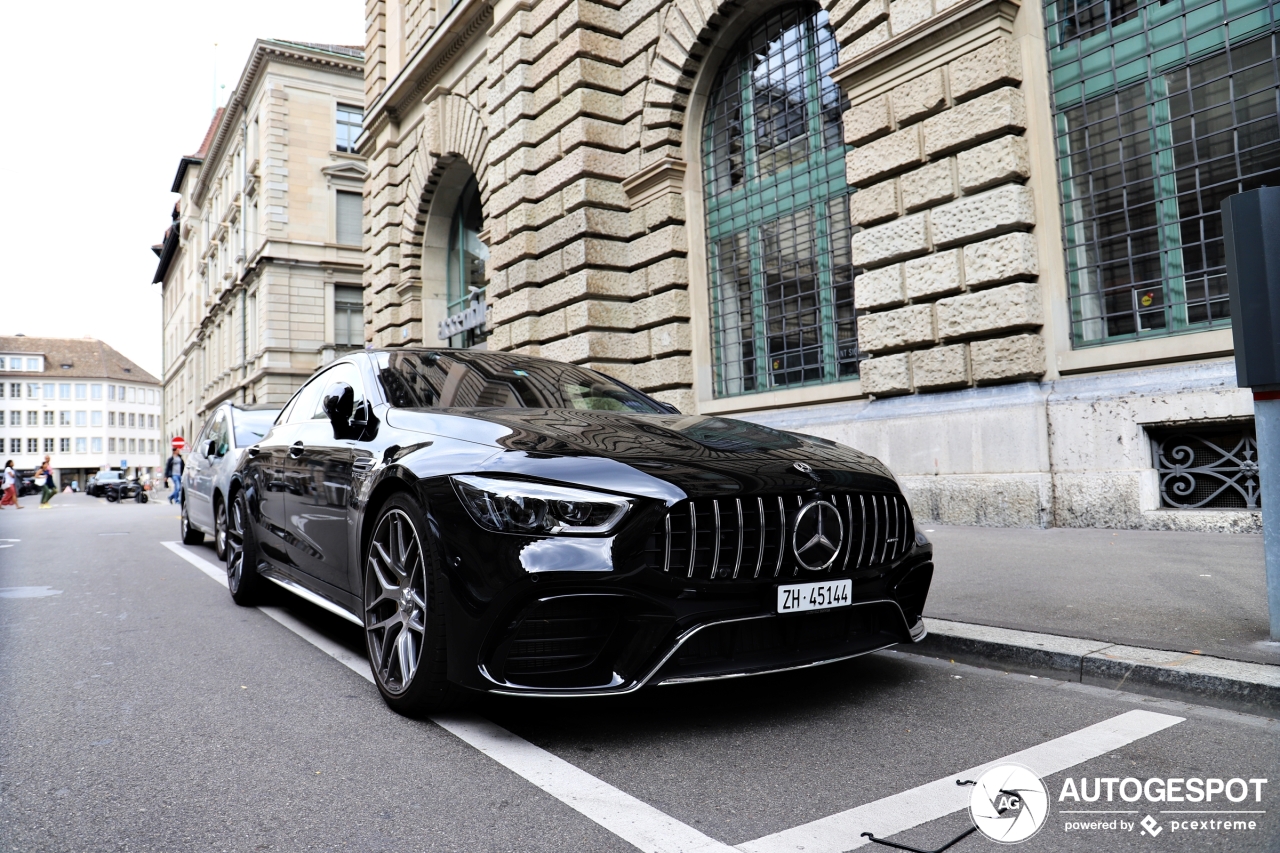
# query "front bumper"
(614, 628)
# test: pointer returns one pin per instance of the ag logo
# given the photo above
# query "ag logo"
(1009, 803)
(816, 538)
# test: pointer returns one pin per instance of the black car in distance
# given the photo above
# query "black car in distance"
(504, 523)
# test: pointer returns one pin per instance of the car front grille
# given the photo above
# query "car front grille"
(746, 539)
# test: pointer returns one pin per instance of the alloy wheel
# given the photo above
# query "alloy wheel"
(233, 529)
(395, 601)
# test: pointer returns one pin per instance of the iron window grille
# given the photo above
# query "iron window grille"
(1162, 109)
(778, 228)
(1208, 467)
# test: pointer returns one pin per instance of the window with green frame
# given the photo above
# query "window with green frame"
(781, 281)
(1162, 109)
(465, 274)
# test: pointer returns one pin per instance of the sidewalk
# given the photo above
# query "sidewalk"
(1175, 614)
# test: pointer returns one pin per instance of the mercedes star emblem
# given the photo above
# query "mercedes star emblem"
(802, 467)
(817, 535)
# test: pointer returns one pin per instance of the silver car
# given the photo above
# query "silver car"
(213, 457)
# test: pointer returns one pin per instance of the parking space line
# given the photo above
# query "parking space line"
(213, 570)
(891, 815)
(654, 831)
(636, 822)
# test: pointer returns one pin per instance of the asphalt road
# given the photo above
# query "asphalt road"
(141, 710)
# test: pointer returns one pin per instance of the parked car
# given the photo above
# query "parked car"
(27, 483)
(208, 466)
(97, 485)
(503, 523)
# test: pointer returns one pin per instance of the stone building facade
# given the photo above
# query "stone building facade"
(976, 238)
(261, 263)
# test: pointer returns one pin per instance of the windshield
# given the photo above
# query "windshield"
(252, 424)
(470, 379)
(108, 475)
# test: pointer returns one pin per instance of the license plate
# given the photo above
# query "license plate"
(814, 596)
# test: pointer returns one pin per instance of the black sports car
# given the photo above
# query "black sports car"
(510, 524)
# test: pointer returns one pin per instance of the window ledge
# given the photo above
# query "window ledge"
(1155, 350)
(788, 398)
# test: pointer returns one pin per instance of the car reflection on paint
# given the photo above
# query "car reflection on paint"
(502, 523)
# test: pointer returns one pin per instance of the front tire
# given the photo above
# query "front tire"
(404, 613)
(190, 536)
(220, 530)
(246, 586)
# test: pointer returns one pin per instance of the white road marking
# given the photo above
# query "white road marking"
(654, 831)
(900, 812)
(358, 664)
(637, 823)
(28, 591)
(213, 570)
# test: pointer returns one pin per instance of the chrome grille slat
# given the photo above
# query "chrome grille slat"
(715, 560)
(795, 570)
(737, 562)
(666, 551)
(693, 537)
(875, 522)
(782, 535)
(862, 533)
(878, 526)
(848, 538)
(760, 555)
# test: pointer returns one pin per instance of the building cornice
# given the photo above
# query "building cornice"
(264, 52)
(964, 22)
(461, 24)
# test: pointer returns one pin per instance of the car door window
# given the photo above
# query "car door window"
(303, 407)
(217, 433)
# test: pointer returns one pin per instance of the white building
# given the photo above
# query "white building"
(80, 402)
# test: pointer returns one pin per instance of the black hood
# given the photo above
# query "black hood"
(700, 455)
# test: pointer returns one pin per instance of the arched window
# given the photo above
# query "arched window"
(777, 210)
(465, 265)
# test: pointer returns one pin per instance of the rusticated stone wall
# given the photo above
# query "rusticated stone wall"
(582, 108)
(950, 292)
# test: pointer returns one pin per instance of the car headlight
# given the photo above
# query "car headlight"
(513, 506)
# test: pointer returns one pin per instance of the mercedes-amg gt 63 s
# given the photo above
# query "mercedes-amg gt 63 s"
(503, 523)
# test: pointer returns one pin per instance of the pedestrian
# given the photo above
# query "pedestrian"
(173, 471)
(10, 485)
(49, 488)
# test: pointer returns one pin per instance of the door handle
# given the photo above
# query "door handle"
(295, 449)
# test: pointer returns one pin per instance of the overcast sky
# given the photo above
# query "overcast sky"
(100, 102)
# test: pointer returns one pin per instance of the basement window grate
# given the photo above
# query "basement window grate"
(1209, 467)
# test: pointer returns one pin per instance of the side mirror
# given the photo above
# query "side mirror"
(339, 403)
(210, 449)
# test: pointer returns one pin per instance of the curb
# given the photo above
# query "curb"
(1249, 687)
